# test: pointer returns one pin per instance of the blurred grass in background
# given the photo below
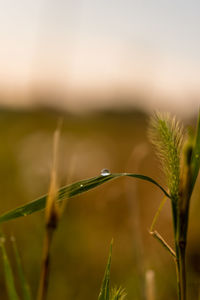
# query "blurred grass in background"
(122, 209)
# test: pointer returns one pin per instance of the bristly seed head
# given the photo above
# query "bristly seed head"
(166, 134)
(118, 294)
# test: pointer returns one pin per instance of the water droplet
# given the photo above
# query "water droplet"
(105, 172)
(81, 185)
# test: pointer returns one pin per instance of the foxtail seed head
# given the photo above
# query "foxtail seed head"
(166, 134)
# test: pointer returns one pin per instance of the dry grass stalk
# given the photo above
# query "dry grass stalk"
(150, 285)
(52, 216)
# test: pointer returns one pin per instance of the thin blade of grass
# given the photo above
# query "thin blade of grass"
(157, 214)
(156, 235)
(105, 287)
(70, 191)
(9, 278)
(24, 284)
(195, 163)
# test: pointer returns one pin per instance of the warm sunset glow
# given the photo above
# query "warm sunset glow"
(92, 50)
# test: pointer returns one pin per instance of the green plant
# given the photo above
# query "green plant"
(179, 156)
(180, 159)
(9, 276)
(105, 293)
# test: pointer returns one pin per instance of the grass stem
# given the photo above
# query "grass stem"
(52, 215)
(44, 276)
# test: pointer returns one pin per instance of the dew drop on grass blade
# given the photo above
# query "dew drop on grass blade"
(70, 191)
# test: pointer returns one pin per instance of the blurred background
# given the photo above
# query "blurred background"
(104, 67)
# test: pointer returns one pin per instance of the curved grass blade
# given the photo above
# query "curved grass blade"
(105, 287)
(70, 191)
(24, 285)
(9, 278)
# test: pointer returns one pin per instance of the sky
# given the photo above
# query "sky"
(92, 51)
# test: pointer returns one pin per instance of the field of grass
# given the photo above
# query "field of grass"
(122, 209)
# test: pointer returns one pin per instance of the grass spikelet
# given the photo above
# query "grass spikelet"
(166, 134)
(118, 294)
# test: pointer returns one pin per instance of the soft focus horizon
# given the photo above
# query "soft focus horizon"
(96, 70)
(95, 54)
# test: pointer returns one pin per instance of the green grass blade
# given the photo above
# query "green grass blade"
(24, 285)
(8, 273)
(70, 191)
(195, 164)
(105, 287)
